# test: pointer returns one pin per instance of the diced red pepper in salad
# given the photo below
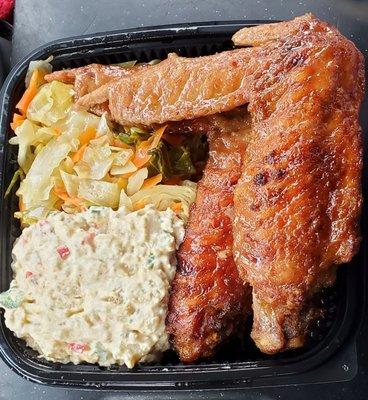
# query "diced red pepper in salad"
(78, 347)
(63, 252)
(28, 274)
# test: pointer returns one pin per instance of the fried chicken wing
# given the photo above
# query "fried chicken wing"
(208, 299)
(297, 204)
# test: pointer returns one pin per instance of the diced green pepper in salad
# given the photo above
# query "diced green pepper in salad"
(12, 298)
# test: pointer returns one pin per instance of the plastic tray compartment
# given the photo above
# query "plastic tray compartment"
(238, 364)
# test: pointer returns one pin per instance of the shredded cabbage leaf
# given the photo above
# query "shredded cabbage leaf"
(51, 103)
(74, 159)
(98, 160)
(43, 65)
(136, 181)
(163, 197)
(125, 201)
(18, 174)
(127, 64)
(128, 168)
(29, 134)
(76, 122)
(99, 193)
(71, 183)
(25, 137)
(34, 214)
(38, 182)
(96, 163)
(103, 128)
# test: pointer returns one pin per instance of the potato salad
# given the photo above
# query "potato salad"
(93, 286)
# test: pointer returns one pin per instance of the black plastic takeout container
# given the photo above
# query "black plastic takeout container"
(238, 364)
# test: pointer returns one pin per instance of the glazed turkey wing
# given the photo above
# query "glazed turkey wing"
(178, 88)
(261, 34)
(91, 77)
(297, 204)
(208, 299)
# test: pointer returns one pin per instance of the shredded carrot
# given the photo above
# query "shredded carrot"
(63, 195)
(138, 205)
(153, 181)
(60, 192)
(58, 130)
(17, 121)
(157, 137)
(21, 205)
(122, 182)
(174, 140)
(142, 155)
(78, 155)
(36, 81)
(109, 178)
(86, 136)
(18, 117)
(176, 207)
(14, 125)
(175, 180)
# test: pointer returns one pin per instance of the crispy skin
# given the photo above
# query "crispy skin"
(208, 299)
(298, 202)
(261, 34)
(177, 88)
(89, 78)
(181, 88)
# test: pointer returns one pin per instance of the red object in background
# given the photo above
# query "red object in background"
(6, 8)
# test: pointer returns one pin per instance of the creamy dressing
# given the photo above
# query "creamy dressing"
(93, 287)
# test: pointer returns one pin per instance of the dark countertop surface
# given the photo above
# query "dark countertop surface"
(38, 22)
